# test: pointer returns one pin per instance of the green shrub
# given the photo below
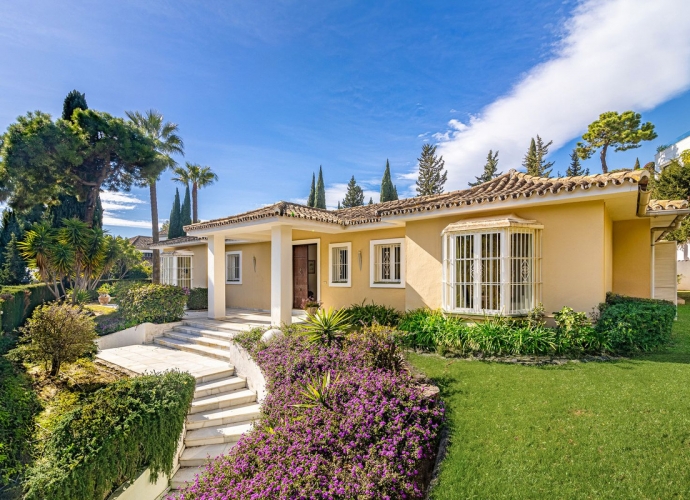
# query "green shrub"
(121, 287)
(57, 333)
(18, 408)
(379, 345)
(368, 314)
(576, 334)
(634, 324)
(18, 302)
(105, 288)
(153, 303)
(198, 299)
(118, 431)
(432, 330)
(82, 296)
(249, 340)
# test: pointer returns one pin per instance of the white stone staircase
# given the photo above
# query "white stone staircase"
(223, 408)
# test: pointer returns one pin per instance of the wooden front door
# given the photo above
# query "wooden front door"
(299, 275)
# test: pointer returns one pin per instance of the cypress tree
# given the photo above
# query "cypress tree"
(490, 169)
(637, 164)
(186, 210)
(14, 270)
(312, 191)
(575, 168)
(388, 191)
(395, 192)
(535, 160)
(530, 161)
(175, 227)
(339, 207)
(371, 200)
(432, 175)
(354, 197)
(320, 191)
(74, 100)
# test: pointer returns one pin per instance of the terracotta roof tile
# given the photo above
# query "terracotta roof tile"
(141, 242)
(178, 241)
(660, 205)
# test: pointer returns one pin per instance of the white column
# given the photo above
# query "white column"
(281, 275)
(216, 277)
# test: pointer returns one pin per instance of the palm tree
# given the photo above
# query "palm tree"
(164, 135)
(198, 177)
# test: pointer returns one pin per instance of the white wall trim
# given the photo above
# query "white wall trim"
(372, 263)
(331, 246)
(313, 241)
(233, 252)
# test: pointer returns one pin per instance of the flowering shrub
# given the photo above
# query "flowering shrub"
(371, 434)
(153, 303)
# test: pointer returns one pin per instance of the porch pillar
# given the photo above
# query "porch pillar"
(216, 277)
(281, 275)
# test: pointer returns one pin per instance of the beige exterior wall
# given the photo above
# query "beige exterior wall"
(608, 252)
(199, 266)
(632, 258)
(255, 290)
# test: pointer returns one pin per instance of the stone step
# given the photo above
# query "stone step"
(219, 326)
(244, 413)
(198, 339)
(229, 433)
(184, 475)
(223, 400)
(182, 345)
(197, 456)
(217, 386)
(205, 332)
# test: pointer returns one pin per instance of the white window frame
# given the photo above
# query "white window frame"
(509, 262)
(175, 256)
(227, 267)
(343, 284)
(372, 263)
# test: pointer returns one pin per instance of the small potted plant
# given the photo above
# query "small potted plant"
(311, 305)
(104, 293)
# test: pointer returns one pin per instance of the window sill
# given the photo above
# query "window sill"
(233, 282)
(387, 284)
(340, 285)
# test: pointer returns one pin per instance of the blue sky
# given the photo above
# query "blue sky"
(264, 92)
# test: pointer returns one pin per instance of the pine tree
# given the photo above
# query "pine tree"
(74, 100)
(320, 201)
(637, 164)
(388, 191)
(354, 197)
(339, 207)
(395, 192)
(14, 270)
(575, 167)
(186, 210)
(432, 176)
(312, 191)
(175, 229)
(371, 200)
(490, 169)
(530, 161)
(534, 161)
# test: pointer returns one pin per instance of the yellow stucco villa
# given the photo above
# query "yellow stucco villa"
(498, 248)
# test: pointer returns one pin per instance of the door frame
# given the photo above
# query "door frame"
(313, 241)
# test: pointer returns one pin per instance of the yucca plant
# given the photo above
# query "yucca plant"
(317, 392)
(327, 326)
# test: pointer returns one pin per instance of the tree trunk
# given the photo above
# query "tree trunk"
(91, 200)
(195, 216)
(156, 277)
(54, 367)
(604, 167)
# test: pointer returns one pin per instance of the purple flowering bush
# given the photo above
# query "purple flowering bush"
(373, 435)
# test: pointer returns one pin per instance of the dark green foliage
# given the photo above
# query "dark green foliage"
(371, 200)
(198, 299)
(490, 169)
(368, 314)
(14, 269)
(121, 287)
(432, 176)
(673, 183)
(535, 160)
(388, 190)
(320, 201)
(311, 201)
(175, 225)
(115, 433)
(637, 164)
(634, 324)
(250, 340)
(575, 167)
(74, 100)
(68, 207)
(18, 407)
(153, 304)
(18, 302)
(186, 210)
(354, 197)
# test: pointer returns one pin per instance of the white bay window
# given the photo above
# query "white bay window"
(492, 266)
(176, 269)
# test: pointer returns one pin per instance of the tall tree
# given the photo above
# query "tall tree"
(575, 168)
(620, 131)
(167, 142)
(530, 161)
(535, 160)
(175, 228)
(354, 197)
(41, 159)
(14, 269)
(388, 191)
(186, 210)
(199, 177)
(673, 183)
(637, 164)
(74, 100)
(432, 176)
(490, 169)
(320, 191)
(312, 191)
(371, 200)
(339, 206)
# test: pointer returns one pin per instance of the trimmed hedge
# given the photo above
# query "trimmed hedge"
(118, 431)
(198, 299)
(18, 302)
(153, 303)
(635, 324)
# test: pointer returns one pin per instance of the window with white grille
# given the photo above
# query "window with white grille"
(492, 271)
(176, 269)
(339, 264)
(233, 268)
(387, 258)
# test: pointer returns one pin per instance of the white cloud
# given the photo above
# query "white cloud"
(111, 220)
(614, 55)
(114, 202)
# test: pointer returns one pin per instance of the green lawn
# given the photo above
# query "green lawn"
(591, 430)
